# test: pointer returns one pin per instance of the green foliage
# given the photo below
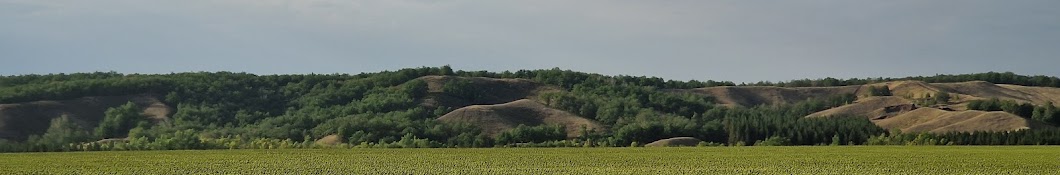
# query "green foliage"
(531, 134)
(462, 88)
(1046, 113)
(225, 110)
(415, 88)
(1043, 136)
(942, 97)
(650, 131)
(773, 141)
(446, 70)
(118, 120)
(708, 144)
(60, 132)
(182, 139)
(762, 122)
(879, 91)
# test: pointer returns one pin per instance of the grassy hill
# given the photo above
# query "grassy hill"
(904, 108)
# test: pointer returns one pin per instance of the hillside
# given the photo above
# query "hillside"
(870, 107)
(900, 112)
(19, 120)
(746, 96)
(941, 121)
(440, 107)
(494, 119)
(486, 90)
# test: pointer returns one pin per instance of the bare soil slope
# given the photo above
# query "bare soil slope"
(491, 90)
(329, 140)
(899, 110)
(1038, 95)
(494, 119)
(20, 120)
(676, 141)
(942, 121)
(768, 95)
(911, 89)
(976, 90)
(871, 107)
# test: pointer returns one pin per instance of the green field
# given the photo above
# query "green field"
(710, 160)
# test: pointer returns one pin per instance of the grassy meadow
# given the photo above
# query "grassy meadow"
(689, 160)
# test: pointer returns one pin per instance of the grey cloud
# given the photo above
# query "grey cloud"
(680, 39)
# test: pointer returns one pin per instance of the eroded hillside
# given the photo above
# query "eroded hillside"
(440, 107)
(494, 119)
(900, 109)
(20, 120)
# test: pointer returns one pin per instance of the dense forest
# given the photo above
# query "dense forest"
(226, 110)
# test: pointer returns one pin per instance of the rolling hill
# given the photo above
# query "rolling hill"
(438, 107)
(494, 119)
(899, 110)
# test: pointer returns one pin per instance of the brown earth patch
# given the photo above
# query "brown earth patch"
(20, 120)
(675, 142)
(494, 119)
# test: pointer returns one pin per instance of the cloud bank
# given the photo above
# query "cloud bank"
(680, 39)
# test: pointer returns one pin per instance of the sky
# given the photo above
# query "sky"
(730, 40)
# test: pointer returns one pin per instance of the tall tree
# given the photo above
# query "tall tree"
(118, 120)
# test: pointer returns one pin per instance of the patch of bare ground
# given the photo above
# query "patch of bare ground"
(942, 121)
(900, 110)
(494, 119)
(768, 95)
(870, 107)
(674, 142)
(20, 120)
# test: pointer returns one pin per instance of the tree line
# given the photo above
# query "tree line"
(992, 77)
(1047, 113)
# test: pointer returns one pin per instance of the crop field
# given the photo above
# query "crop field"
(705, 160)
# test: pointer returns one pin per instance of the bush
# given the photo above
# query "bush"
(774, 141)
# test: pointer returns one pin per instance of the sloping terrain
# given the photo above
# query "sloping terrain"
(941, 121)
(20, 120)
(1036, 95)
(977, 90)
(489, 90)
(675, 142)
(872, 107)
(900, 110)
(768, 95)
(494, 119)
(910, 89)
(964, 91)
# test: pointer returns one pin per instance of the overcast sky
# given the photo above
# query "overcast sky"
(736, 40)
